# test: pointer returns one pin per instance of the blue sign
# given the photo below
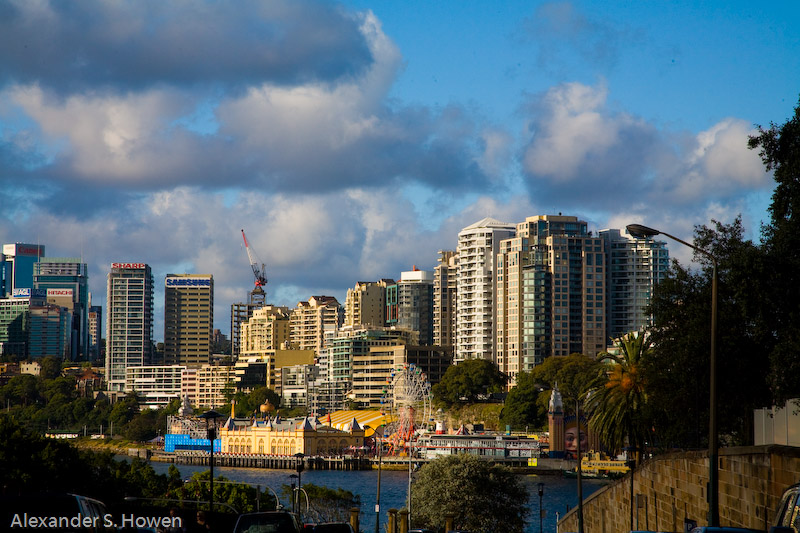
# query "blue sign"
(28, 293)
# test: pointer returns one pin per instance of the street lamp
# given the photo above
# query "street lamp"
(540, 486)
(580, 468)
(378, 496)
(300, 466)
(211, 429)
(640, 231)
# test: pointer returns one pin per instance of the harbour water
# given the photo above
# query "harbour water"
(560, 493)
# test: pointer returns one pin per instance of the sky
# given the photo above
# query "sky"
(354, 140)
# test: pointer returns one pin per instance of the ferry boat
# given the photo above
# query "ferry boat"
(493, 447)
(597, 465)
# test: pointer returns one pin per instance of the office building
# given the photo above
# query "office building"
(634, 267)
(15, 320)
(445, 281)
(352, 344)
(66, 281)
(50, 331)
(478, 245)
(312, 320)
(129, 321)
(95, 331)
(16, 267)
(188, 318)
(155, 386)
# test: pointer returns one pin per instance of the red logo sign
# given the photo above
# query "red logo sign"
(128, 265)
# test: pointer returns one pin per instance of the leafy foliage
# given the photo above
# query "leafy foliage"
(521, 407)
(481, 496)
(677, 372)
(617, 403)
(469, 380)
(574, 375)
(780, 151)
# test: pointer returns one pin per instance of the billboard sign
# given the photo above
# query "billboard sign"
(28, 293)
(59, 292)
(137, 266)
(188, 282)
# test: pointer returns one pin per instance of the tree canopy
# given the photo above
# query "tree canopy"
(481, 496)
(522, 408)
(467, 381)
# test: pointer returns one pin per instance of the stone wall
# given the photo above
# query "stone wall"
(671, 487)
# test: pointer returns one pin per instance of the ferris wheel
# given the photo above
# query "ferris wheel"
(408, 396)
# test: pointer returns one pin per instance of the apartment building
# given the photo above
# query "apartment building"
(445, 280)
(310, 321)
(188, 318)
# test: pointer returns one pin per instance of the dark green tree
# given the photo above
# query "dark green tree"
(50, 367)
(678, 370)
(480, 495)
(469, 380)
(574, 375)
(521, 407)
(779, 148)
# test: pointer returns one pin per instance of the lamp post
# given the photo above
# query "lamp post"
(579, 469)
(378, 496)
(540, 486)
(410, 456)
(300, 466)
(640, 231)
(211, 429)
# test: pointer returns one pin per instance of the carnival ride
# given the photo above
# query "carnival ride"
(407, 397)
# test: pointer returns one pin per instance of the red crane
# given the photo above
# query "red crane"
(259, 273)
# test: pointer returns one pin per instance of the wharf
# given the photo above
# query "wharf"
(544, 466)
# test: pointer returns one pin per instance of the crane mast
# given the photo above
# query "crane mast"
(257, 295)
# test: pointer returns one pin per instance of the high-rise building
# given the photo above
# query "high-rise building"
(365, 304)
(633, 268)
(414, 303)
(240, 313)
(550, 293)
(16, 267)
(95, 331)
(445, 279)
(129, 320)
(66, 281)
(188, 318)
(478, 245)
(311, 320)
(50, 332)
(267, 329)
(15, 320)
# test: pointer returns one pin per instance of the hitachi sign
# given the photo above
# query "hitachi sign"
(129, 265)
(188, 282)
(59, 292)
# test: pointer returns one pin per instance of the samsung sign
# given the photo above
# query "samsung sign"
(188, 282)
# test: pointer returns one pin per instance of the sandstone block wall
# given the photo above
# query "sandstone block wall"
(671, 487)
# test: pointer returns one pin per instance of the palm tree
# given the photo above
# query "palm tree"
(617, 402)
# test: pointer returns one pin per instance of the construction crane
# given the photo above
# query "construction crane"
(258, 273)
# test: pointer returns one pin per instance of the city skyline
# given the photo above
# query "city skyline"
(353, 141)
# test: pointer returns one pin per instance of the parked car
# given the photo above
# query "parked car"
(73, 512)
(787, 519)
(268, 522)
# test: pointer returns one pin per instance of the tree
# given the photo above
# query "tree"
(50, 367)
(574, 375)
(468, 380)
(780, 152)
(521, 408)
(481, 496)
(677, 372)
(617, 402)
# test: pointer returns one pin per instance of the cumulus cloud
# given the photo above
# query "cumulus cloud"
(135, 44)
(582, 153)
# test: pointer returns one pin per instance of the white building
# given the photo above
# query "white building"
(633, 267)
(478, 245)
(129, 321)
(156, 386)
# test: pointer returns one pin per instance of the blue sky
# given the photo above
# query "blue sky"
(353, 140)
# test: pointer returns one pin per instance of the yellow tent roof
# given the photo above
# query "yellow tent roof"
(364, 418)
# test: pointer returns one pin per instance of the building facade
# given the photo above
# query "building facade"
(129, 320)
(550, 282)
(478, 245)
(365, 304)
(414, 295)
(634, 267)
(445, 281)
(66, 281)
(16, 266)
(267, 329)
(188, 318)
(15, 320)
(155, 386)
(310, 322)
(95, 331)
